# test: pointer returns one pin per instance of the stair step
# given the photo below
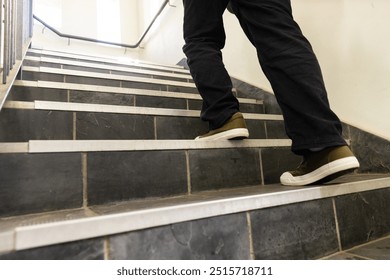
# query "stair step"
(33, 231)
(71, 146)
(102, 68)
(117, 90)
(107, 60)
(102, 108)
(87, 77)
(54, 175)
(38, 120)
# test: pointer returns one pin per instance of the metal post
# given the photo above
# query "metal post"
(13, 35)
(6, 33)
(31, 23)
(1, 28)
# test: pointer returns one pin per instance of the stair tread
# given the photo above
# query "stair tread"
(29, 231)
(52, 146)
(97, 75)
(106, 59)
(100, 66)
(121, 109)
(107, 89)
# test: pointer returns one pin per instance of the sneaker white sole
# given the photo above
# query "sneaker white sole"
(320, 173)
(226, 135)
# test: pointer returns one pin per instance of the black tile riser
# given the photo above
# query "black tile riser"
(218, 238)
(363, 217)
(225, 168)
(33, 183)
(25, 125)
(22, 93)
(123, 176)
(101, 126)
(22, 125)
(297, 231)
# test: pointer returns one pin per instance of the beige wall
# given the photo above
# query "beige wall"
(350, 38)
(80, 18)
(164, 44)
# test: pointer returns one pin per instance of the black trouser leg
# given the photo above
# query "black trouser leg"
(204, 37)
(289, 63)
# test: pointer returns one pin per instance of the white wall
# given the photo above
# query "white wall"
(350, 38)
(165, 41)
(81, 18)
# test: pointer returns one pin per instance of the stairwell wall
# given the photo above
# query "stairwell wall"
(348, 36)
(71, 17)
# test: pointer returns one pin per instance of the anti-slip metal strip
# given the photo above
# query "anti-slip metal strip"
(131, 91)
(26, 237)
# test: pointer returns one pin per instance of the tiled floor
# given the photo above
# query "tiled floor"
(375, 250)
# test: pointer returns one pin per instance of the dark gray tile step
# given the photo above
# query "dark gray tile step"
(91, 78)
(375, 250)
(55, 175)
(284, 223)
(103, 108)
(23, 121)
(378, 249)
(24, 125)
(107, 61)
(102, 68)
(66, 146)
(54, 91)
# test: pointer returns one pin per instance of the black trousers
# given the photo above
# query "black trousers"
(286, 58)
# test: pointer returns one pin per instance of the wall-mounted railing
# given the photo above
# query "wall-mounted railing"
(15, 37)
(133, 46)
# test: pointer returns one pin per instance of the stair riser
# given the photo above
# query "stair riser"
(25, 125)
(40, 76)
(107, 71)
(306, 230)
(34, 183)
(143, 66)
(21, 125)
(42, 182)
(22, 93)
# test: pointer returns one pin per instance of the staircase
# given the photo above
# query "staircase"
(97, 161)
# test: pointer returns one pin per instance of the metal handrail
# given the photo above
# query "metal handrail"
(69, 36)
(15, 37)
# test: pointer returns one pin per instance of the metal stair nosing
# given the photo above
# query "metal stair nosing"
(121, 109)
(131, 62)
(120, 90)
(16, 235)
(96, 75)
(91, 65)
(66, 146)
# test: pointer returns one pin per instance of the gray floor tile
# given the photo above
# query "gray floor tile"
(377, 250)
(218, 238)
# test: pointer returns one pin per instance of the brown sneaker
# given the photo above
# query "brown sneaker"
(234, 128)
(330, 162)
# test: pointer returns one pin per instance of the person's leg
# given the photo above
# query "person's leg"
(289, 63)
(204, 37)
